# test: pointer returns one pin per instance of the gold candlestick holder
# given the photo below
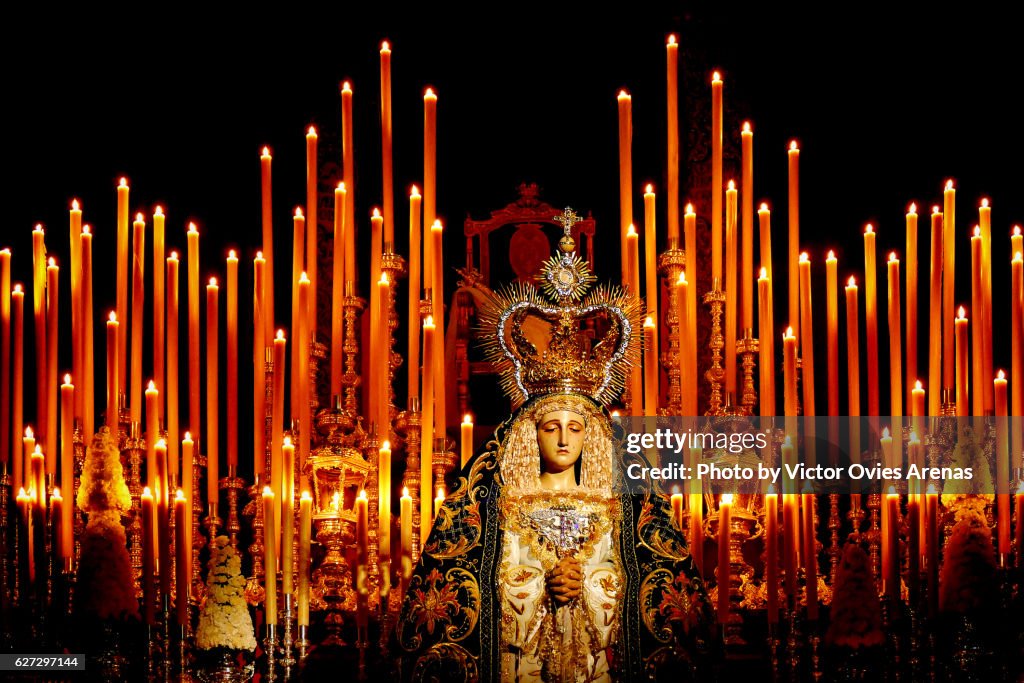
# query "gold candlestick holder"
(715, 300)
(394, 266)
(255, 593)
(132, 450)
(212, 522)
(743, 527)
(5, 546)
(874, 535)
(331, 584)
(748, 348)
(370, 454)
(350, 379)
(78, 519)
(670, 264)
(232, 484)
(198, 585)
(270, 648)
(411, 478)
(834, 524)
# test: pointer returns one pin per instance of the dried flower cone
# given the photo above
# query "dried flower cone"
(967, 582)
(224, 619)
(856, 613)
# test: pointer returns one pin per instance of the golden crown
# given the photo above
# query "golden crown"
(562, 339)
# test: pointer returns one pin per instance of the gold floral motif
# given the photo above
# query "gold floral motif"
(450, 600)
(654, 537)
(446, 662)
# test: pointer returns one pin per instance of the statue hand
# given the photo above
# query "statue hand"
(565, 580)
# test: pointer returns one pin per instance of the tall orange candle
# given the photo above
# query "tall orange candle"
(935, 316)
(338, 291)
(39, 309)
(312, 238)
(429, 167)
(305, 532)
(382, 371)
(194, 369)
(790, 523)
(895, 337)
(112, 333)
(52, 306)
(789, 372)
(948, 283)
(152, 435)
(302, 410)
(832, 315)
(172, 367)
(771, 550)
(651, 262)
(183, 559)
(415, 287)
(17, 389)
(440, 383)
(1002, 464)
(269, 557)
(1016, 240)
(259, 404)
(688, 398)
(650, 369)
(5, 357)
(376, 348)
(911, 307)
(75, 229)
(962, 409)
(287, 513)
(625, 104)
(123, 244)
(871, 317)
(807, 330)
(466, 442)
(764, 220)
(159, 307)
(212, 392)
(732, 291)
(747, 222)
(384, 503)
(690, 353)
(163, 529)
(794, 236)
(187, 464)
(148, 556)
(60, 549)
(633, 285)
(267, 224)
(298, 312)
(232, 358)
(348, 167)
(427, 438)
(277, 415)
(138, 306)
(985, 222)
(88, 353)
(1016, 352)
(362, 548)
(890, 536)
(853, 373)
(386, 142)
(405, 514)
(766, 367)
(67, 461)
(672, 146)
(716, 180)
(978, 377)
(724, 533)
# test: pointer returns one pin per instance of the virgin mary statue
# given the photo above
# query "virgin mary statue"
(543, 565)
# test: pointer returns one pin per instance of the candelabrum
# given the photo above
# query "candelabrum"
(132, 449)
(748, 349)
(198, 585)
(254, 591)
(350, 379)
(874, 535)
(834, 524)
(7, 594)
(232, 484)
(393, 266)
(715, 299)
(270, 649)
(78, 451)
(411, 479)
(287, 615)
(443, 461)
(743, 527)
(670, 264)
(370, 453)
(332, 581)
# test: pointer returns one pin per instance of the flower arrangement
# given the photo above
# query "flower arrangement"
(964, 496)
(224, 620)
(856, 613)
(968, 577)
(105, 583)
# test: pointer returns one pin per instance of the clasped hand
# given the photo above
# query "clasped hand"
(565, 580)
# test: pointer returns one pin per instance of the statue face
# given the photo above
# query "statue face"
(560, 437)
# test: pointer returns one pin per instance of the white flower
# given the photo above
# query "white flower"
(224, 619)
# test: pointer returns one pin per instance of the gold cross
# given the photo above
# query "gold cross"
(567, 219)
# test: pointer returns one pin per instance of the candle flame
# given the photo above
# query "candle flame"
(977, 231)
(17, 288)
(984, 203)
(384, 279)
(213, 282)
(852, 282)
(649, 189)
(67, 379)
(29, 434)
(287, 441)
(386, 446)
(188, 436)
(303, 278)
(414, 192)
(123, 182)
(1018, 256)
(139, 218)
(914, 438)
(764, 274)
(1001, 375)
(152, 386)
(892, 257)
(732, 184)
(312, 132)
(682, 279)
(793, 146)
(173, 256)
(259, 255)
(231, 254)
(56, 494)
(918, 386)
(405, 492)
(38, 452)
(52, 263)
(160, 443)
(961, 314)
(831, 256)
(429, 320)
(147, 492)
(341, 186)
(675, 490)
(179, 495)
(86, 229)
(362, 494)
(716, 76)
(649, 322)
(298, 212)
(266, 151)
(949, 185)
(615, 413)
(376, 212)
(385, 46)
(1016, 230)
(764, 206)
(726, 499)
(623, 95)
(74, 205)
(429, 92)
(305, 496)
(789, 332)
(113, 317)
(346, 87)
(804, 258)
(892, 492)
(671, 39)
(38, 228)
(267, 491)
(913, 208)
(437, 225)
(746, 127)
(192, 228)
(440, 492)
(885, 433)
(689, 209)
(467, 419)
(631, 231)
(869, 228)
(158, 211)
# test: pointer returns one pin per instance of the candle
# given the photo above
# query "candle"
(187, 464)
(232, 358)
(467, 438)
(123, 238)
(429, 168)
(25, 512)
(794, 233)
(138, 306)
(806, 328)
(112, 416)
(771, 550)
(832, 315)
(440, 388)
(672, 147)
(362, 546)
(766, 367)
(259, 377)
(305, 531)
(978, 376)
(312, 239)
(148, 557)
(37, 466)
(914, 532)
(52, 305)
(1016, 240)
(676, 502)
(277, 417)
(427, 439)
(172, 367)
(212, 391)
(382, 372)
(438, 501)
(789, 372)
(67, 463)
(985, 219)
(163, 530)
(651, 261)
(895, 338)
(385, 144)
(152, 434)
(39, 308)
(269, 557)
(690, 353)
(88, 354)
(724, 534)
(415, 287)
(18, 356)
(28, 447)
(348, 163)
(183, 559)
(650, 369)
(303, 410)
(159, 306)
(790, 524)
(633, 285)
(948, 282)
(75, 240)
(405, 510)
(338, 290)
(625, 104)
(917, 407)
(911, 341)
(871, 317)
(961, 364)
(732, 292)
(890, 534)
(716, 180)
(298, 310)
(935, 317)
(287, 513)
(5, 357)
(58, 519)
(687, 407)
(810, 553)
(932, 543)
(1016, 352)
(194, 369)
(1002, 465)
(267, 224)
(747, 216)
(384, 502)
(695, 504)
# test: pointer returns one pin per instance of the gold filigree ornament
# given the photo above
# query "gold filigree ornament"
(565, 337)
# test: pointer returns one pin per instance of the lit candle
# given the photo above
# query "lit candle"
(440, 385)
(794, 235)
(911, 341)
(267, 223)
(232, 358)
(112, 416)
(312, 238)
(194, 369)
(159, 307)
(67, 463)
(633, 285)
(39, 309)
(1016, 352)
(789, 372)
(212, 391)
(148, 557)
(269, 557)
(5, 358)
(37, 467)
(695, 505)
(88, 354)
(832, 315)
(810, 553)
(766, 367)
(384, 502)
(672, 79)
(362, 550)
(917, 407)
(303, 410)
(187, 465)
(349, 166)
(172, 367)
(932, 548)
(382, 372)
(52, 305)
(650, 369)
(732, 292)
(890, 534)
(298, 310)
(651, 259)
(677, 508)
(682, 315)
(152, 434)
(405, 510)
(415, 287)
(771, 549)
(935, 317)
(287, 514)
(871, 317)
(895, 338)
(427, 420)
(1016, 240)
(985, 221)
(259, 377)
(59, 525)
(75, 234)
(429, 167)
(183, 559)
(690, 353)
(438, 501)
(625, 104)
(806, 344)
(948, 283)
(790, 524)
(747, 216)
(724, 534)
(716, 180)
(25, 537)
(277, 417)
(467, 438)
(123, 237)
(163, 529)
(138, 308)
(385, 142)
(305, 531)
(18, 356)
(961, 364)
(978, 376)
(338, 290)
(28, 443)
(1002, 465)
(764, 219)
(914, 530)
